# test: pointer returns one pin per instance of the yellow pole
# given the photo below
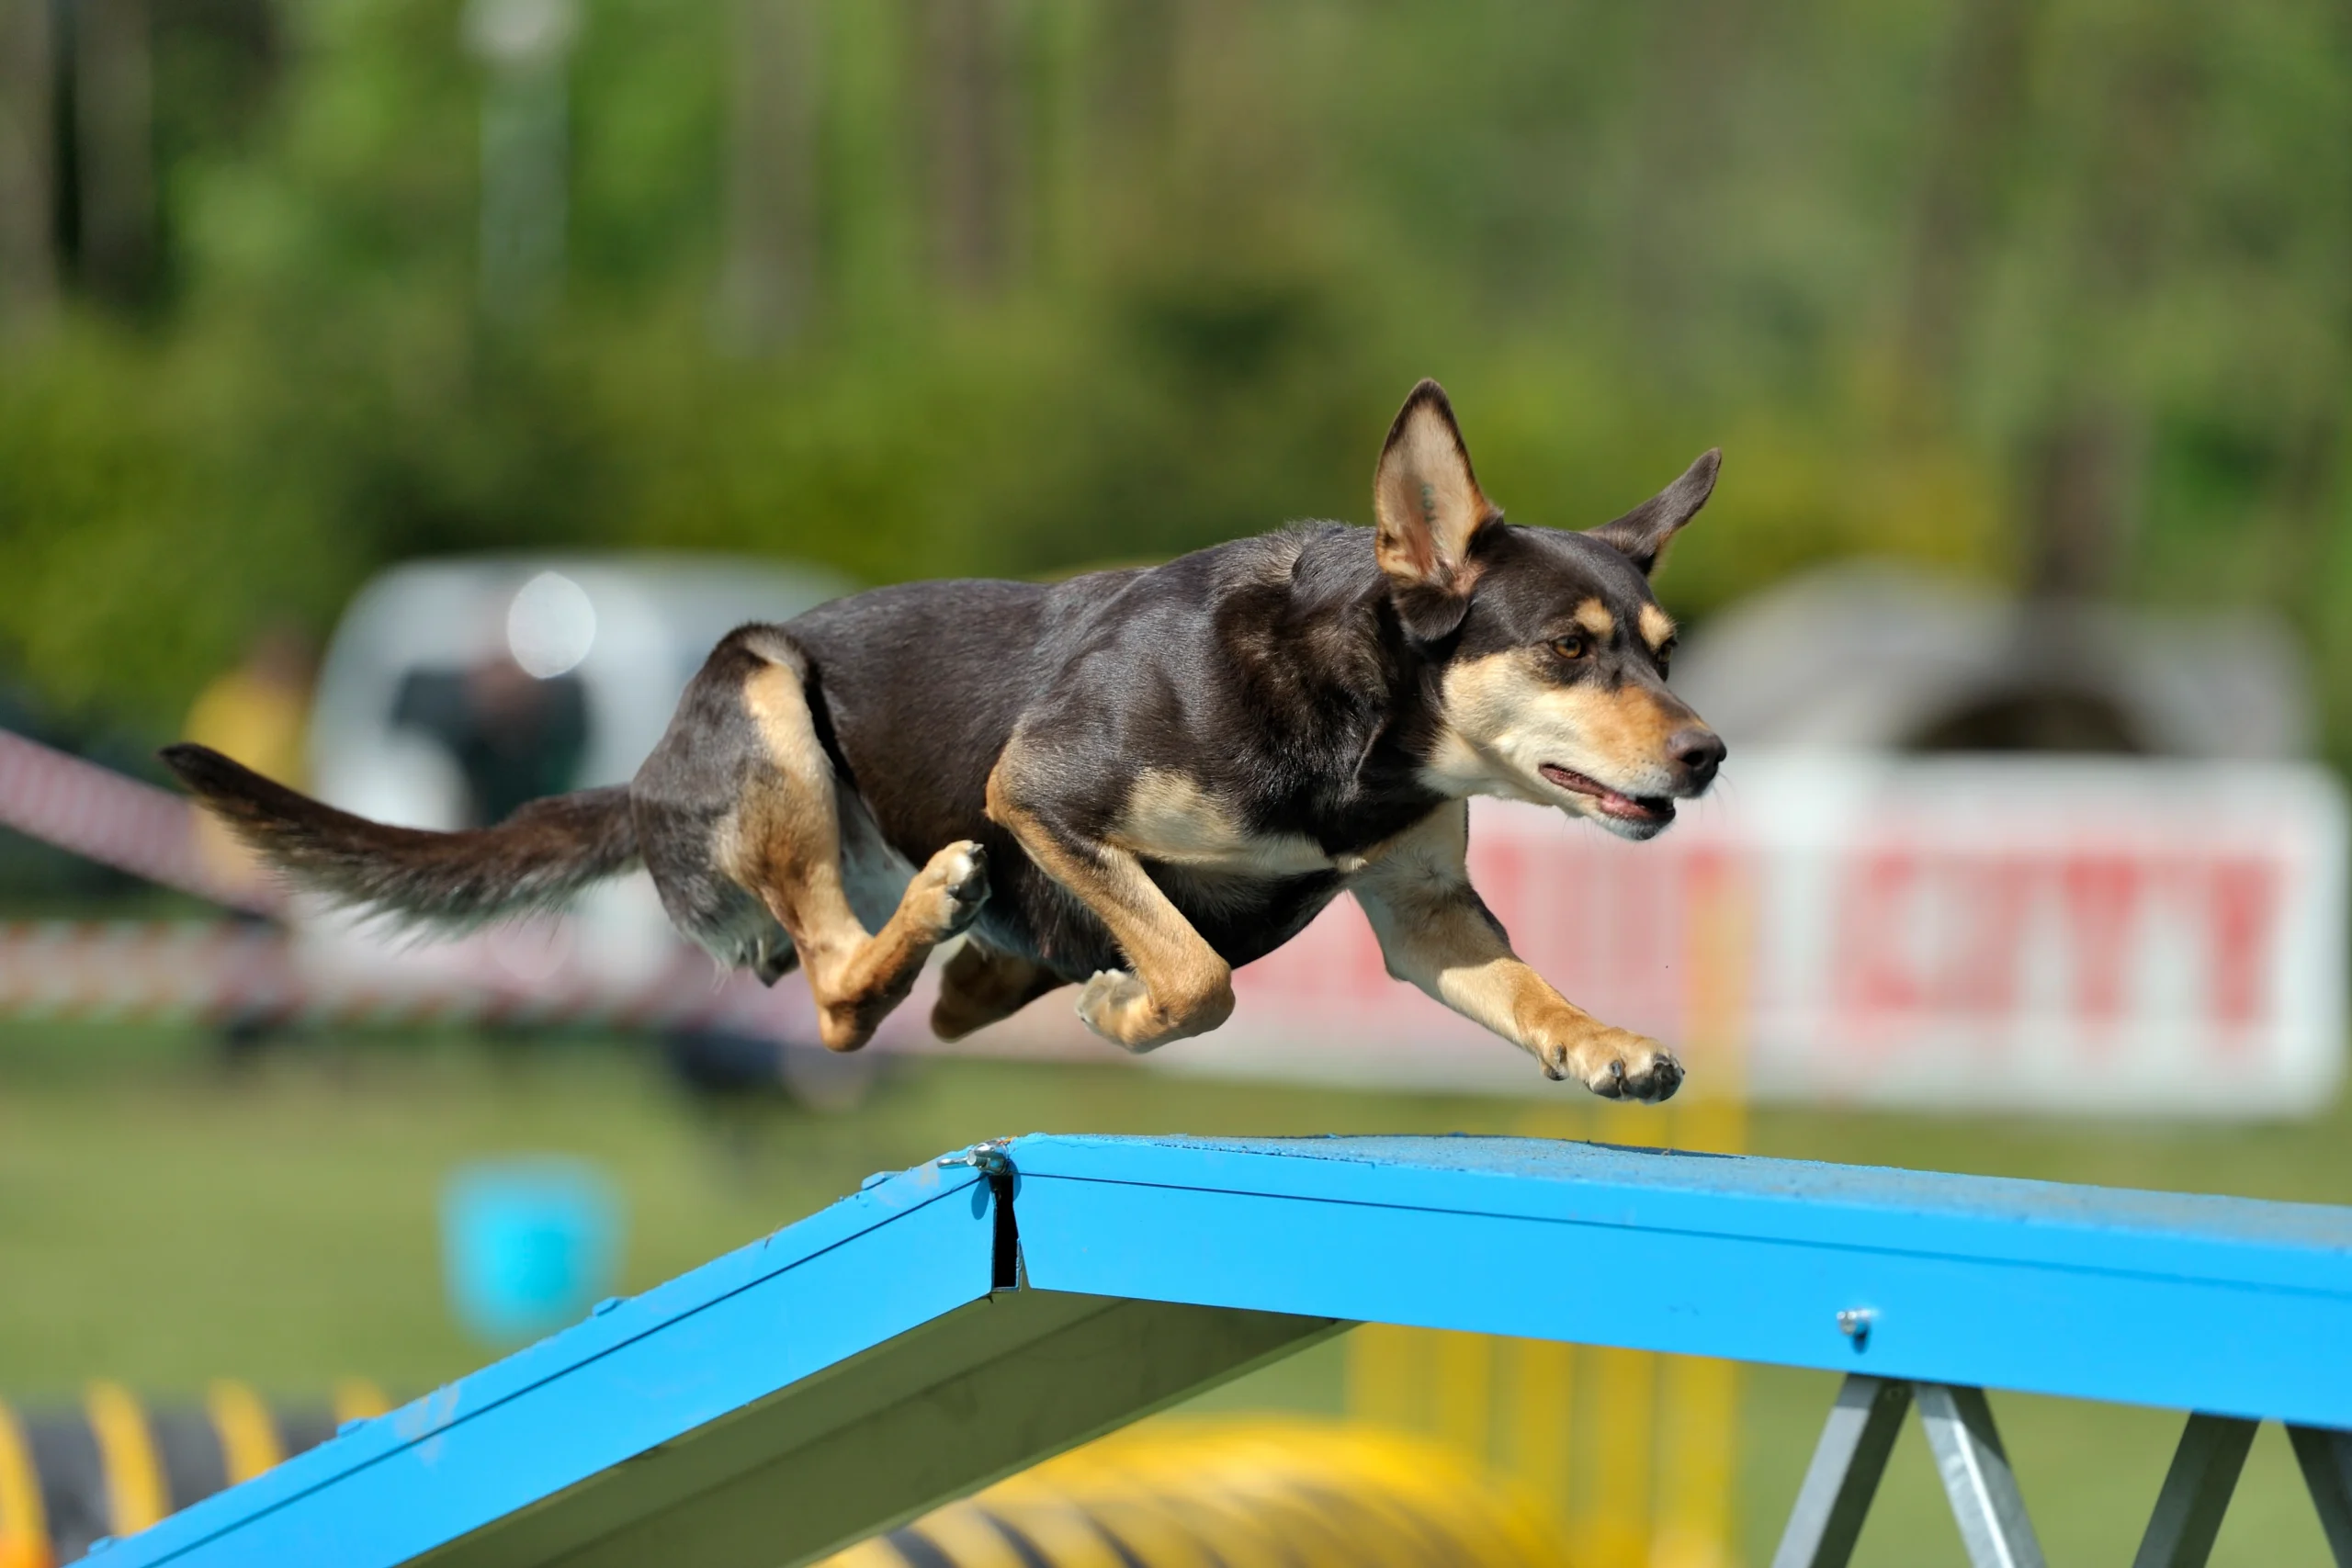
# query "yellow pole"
(1541, 1378)
(1465, 1394)
(1614, 1522)
(1384, 1379)
(1700, 1397)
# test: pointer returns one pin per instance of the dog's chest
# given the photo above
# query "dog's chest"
(1169, 820)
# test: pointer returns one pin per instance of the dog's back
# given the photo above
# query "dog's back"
(1136, 781)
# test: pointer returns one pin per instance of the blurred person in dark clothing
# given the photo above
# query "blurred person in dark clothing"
(514, 735)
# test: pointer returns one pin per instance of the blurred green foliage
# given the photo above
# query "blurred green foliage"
(1075, 281)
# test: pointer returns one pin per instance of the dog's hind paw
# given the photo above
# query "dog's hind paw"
(1616, 1064)
(1119, 1007)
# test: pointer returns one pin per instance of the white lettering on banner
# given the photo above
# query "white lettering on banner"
(2031, 932)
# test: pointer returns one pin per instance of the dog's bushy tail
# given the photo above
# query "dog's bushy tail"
(537, 858)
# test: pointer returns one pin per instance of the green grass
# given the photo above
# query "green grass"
(164, 1221)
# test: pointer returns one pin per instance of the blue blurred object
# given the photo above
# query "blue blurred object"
(527, 1244)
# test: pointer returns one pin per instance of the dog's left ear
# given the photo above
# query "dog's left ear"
(1430, 512)
(1642, 534)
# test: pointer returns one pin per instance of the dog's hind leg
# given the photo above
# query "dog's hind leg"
(981, 986)
(786, 849)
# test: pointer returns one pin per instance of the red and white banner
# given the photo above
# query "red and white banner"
(2061, 934)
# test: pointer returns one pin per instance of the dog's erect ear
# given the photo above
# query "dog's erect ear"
(1430, 510)
(1642, 534)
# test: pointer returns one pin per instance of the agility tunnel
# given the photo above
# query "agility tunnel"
(110, 1462)
(956, 1324)
(1237, 1492)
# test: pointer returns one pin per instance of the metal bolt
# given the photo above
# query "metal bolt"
(989, 1158)
(1854, 1322)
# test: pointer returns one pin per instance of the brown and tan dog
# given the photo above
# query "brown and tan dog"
(1131, 782)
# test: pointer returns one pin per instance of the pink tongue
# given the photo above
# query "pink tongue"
(1609, 800)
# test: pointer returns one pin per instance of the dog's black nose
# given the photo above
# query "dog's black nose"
(1700, 751)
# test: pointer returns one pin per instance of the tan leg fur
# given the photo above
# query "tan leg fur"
(786, 849)
(1179, 987)
(1436, 933)
(980, 986)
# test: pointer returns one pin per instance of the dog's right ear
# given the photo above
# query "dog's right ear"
(1430, 512)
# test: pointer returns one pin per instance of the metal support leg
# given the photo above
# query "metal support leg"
(1985, 1497)
(1844, 1473)
(2326, 1458)
(2196, 1493)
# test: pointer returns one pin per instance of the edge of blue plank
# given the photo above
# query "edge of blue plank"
(368, 1443)
(2291, 1245)
(2181, 1302)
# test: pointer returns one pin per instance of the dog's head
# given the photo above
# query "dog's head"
(1550, 651)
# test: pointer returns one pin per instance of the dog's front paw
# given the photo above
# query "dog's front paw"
(950, 889)
(1119, 1007)
(1616, 1064)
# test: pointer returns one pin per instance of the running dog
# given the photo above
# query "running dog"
(1131, 782)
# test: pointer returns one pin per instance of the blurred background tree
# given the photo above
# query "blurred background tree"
(2050, 292)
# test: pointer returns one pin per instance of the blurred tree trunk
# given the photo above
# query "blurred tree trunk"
(1694, 56)
(114, 155)
(1979, 118)
(969, 103)
(2081, 495)
(2089, 451)
(27, 166)
(768, 289)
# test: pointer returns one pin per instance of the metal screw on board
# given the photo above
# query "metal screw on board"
(1854, 1322)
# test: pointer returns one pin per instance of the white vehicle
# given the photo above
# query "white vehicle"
(454, 688)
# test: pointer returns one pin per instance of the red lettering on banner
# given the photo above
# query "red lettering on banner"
(1875, 981)
(1990, 896)
(2102, 901)
(2243, 908)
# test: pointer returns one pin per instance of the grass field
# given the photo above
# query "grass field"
(164, 1220)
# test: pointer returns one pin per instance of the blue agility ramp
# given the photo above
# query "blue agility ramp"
(963, 1319)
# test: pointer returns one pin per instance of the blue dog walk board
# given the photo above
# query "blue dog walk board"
(955, 1322)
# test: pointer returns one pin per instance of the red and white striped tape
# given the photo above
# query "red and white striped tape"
(216, 972)
(100, 815)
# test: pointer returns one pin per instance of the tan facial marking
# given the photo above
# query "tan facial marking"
(1505, 718)
(1656, 626)
(1594, 616)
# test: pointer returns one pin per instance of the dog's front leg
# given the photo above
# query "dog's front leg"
(1436, 932)
(1179, 987)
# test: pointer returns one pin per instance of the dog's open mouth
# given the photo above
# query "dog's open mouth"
(1625, 808)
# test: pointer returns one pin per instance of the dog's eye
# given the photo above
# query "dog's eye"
(1569, 646)
(1666, 654)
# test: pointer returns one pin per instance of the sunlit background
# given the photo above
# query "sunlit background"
(401, 396)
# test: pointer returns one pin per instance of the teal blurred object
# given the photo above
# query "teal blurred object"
(526, 1245)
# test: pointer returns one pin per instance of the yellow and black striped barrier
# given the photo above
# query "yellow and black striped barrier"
(1245, 1493)
(110, 1464)
(1242, 1492)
